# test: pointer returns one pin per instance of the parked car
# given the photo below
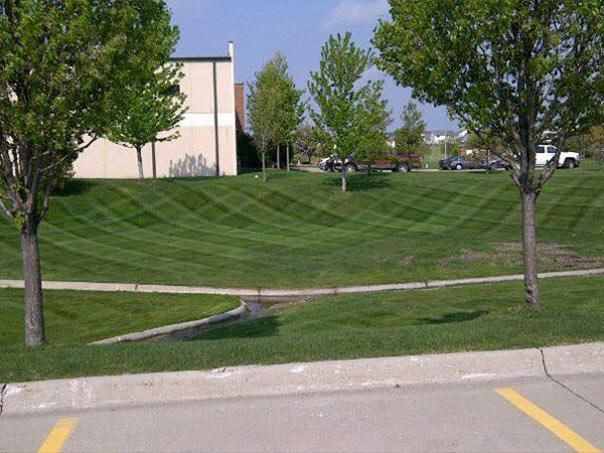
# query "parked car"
(494, 163)
(399, 162)
(546, 153)
(458, 163)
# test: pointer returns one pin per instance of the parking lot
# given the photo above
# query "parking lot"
(534, 414)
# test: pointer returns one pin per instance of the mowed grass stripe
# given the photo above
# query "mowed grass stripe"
(133, 236)
(300, 230)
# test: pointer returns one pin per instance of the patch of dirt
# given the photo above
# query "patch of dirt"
(407, 260)
(468, 256)
(552, 257)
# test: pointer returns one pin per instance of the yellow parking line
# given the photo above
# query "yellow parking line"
(558, 428)
(58, 436)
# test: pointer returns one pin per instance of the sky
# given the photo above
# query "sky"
(297, 29)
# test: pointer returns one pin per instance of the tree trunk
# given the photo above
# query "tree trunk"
(344, 180)
(34, 315)
(279, 157)
(139, 157)
(531, 279)
(287, 156)
(263, 166)
(368, 169)
(154, 160)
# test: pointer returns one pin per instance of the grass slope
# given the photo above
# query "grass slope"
(82, 317)
(345, 327)
(300, 231)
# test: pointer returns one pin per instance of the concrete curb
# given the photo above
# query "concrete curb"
(260, 293)
(178, 331)
(301, 378)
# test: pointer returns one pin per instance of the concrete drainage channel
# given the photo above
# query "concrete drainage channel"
(191, 329)
(257, 301)
(182, 331)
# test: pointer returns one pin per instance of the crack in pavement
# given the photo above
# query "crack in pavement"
(566, 387)
(2, 396)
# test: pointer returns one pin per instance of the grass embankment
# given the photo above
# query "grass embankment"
(344, 327)
(82, 317)
(299, 230)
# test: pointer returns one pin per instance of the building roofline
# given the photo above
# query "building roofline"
(225, 58)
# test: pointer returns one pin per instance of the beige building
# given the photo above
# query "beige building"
(207, 145)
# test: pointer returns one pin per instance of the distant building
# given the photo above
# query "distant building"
(439, 137)
(462, 136)
(240, 107)
(207, 145)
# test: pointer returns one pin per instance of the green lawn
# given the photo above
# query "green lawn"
(299, 230)
(345, 327)
(82, 317)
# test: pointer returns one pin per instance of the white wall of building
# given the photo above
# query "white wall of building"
(194, 152)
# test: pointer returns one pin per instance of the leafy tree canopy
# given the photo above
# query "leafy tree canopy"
(63, 69)
(350, 111)
(337, 92)
(410, 136)
(275, 108)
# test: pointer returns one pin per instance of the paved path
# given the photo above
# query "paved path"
(451, 417)
(279, 293)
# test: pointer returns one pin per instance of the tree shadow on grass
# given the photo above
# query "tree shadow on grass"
(360, 182)
(449, 318)
(74, 187)
(257, 328)
(249, 170)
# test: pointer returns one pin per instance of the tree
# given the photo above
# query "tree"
(409, 138)
(260, 108)
(373, 119)
(515, 69)
(150, 107)
(275, 108)
(62, 68)
(342, 99)
(289, 108)
(596, 143)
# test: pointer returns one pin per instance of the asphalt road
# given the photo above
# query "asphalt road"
(534, 414)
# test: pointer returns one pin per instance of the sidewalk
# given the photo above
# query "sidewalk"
(260, 293)
(301, 378)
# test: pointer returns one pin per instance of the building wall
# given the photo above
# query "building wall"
(240, 106)
(194, 152)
